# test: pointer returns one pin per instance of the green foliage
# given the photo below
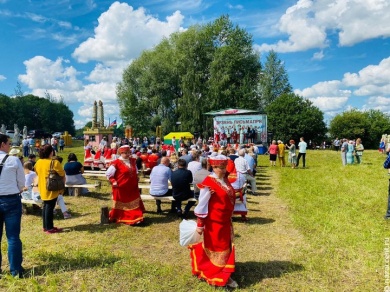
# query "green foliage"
(353, 124)
(205, 68)
(273, 82)
(291, 116)
(36, 113)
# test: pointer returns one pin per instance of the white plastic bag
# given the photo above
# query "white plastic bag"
(188, 234)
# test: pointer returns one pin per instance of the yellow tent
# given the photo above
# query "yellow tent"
(178, 135)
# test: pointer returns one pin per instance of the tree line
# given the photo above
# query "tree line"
(35, 112)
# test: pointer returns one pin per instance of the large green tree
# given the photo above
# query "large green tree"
(273, 82)
(369, 126)
(205, 68)
(290, 117)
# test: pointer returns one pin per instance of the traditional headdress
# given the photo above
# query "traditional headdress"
(218, 160)
(124, 148)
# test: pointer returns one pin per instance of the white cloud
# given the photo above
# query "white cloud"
(235, 7)
(329, 104)
(318, 55)
(2, 77)
(325, 88)
(43, 73)
(185, 5)
(371, 80)
(308, 24)
(123, 33)
(378, 103)
(328, 96)
(102, 73)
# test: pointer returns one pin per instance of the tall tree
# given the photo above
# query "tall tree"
(273, 81)
(202, 69)
(291, 116)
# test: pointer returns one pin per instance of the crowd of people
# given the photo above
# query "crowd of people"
(212, 175)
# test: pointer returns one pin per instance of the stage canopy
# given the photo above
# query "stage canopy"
(231, 111)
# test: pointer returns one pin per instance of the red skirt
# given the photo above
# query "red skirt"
(211, 271)
(130, 213)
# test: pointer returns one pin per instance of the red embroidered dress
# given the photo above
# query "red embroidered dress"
(127, 206)
(213, 259)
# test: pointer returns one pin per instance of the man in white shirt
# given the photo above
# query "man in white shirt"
(195, 164)
(302, 152)
(243, 167)
(159, 178)
(11, 184)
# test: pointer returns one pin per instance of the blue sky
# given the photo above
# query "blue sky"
(336, 53)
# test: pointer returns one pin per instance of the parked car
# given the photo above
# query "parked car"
(11, 134)
(57, 134)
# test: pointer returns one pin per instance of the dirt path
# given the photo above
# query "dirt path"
(266, 244)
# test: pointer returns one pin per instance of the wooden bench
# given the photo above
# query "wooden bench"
(166, 198)
(94, 173)
(77, 188)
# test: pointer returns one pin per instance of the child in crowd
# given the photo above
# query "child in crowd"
(29, 175)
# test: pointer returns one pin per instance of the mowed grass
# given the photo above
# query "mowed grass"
(314, 229)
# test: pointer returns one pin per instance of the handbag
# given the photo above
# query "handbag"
(188, 233)
(54, 182)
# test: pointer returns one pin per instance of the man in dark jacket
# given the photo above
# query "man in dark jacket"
(181, 181)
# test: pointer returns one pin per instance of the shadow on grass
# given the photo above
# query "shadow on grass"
(254, 220)
(260, 220)
(99, 196)
(261, 188)
(163, 218)
(93, 227)
(58, 263)
(261, 193)
(250, 273)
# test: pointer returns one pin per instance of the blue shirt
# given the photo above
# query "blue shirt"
(159, 178)
(250, 160)
(302, 147)
(73, 168)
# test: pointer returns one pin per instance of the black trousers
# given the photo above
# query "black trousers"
(47, 213)
(303, 155)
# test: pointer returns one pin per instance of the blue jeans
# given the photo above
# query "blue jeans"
(388, 203)
(11, 215)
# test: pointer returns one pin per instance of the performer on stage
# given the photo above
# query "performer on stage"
(213, 259)
(127, 207)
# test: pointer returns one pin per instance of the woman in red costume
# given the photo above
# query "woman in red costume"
(127, 204)
(213, 259)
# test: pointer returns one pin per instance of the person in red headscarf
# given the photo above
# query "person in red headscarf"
(213, 259)
(127, 207)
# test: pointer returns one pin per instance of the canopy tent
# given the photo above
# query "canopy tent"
(231, 111)
(177, 135)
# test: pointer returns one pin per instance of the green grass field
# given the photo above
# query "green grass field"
(314, 229)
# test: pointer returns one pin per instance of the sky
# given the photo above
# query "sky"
(336, 53)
